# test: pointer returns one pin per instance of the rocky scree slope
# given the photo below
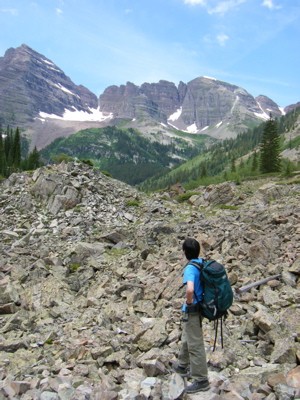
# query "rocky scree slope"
(90, 287)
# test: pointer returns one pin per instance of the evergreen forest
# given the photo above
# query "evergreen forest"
(14, 154)
(128, 156)
(123, 153)
(232, 159)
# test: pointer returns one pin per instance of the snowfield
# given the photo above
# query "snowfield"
(76, 115)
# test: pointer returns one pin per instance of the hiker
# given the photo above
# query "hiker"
(192, 353)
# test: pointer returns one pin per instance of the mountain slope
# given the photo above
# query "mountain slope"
(203, 105)
(30, 84)
(213, 161)
(37, 96)
(91, 287)
(125, 154)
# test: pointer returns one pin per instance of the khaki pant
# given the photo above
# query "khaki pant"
(192, 348)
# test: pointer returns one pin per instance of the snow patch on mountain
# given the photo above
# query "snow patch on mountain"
(48, 62)
(189, 129)
(77, 115)
(282, 110)
(64, 89)
(173, 126)
(208, 77)
(176, 115)
(55, 69)
(192, 128)
(263, 115)
(219, 124)
(234, 104)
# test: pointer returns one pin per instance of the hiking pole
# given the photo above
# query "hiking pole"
(222, 344)
(216, 334)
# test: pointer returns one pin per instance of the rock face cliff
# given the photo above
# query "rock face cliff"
(193, 107)
(91, 287)
(268, 106)
(37, 96)
(30, 83)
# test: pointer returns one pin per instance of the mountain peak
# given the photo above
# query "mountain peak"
(31, 83)
(208, 77)
(269, 106)
(33, 88)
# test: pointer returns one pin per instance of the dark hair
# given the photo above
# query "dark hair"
(191, 247)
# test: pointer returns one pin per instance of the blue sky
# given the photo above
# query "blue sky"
(97, 43)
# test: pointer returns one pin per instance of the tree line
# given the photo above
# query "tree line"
(251, 153)
(14, 155)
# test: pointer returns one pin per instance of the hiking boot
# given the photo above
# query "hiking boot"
(183, 371)
(197, 386)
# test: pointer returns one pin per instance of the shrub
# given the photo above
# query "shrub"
(57, 159)
(227, 207)
(107, 174)
(185, 196)
(88, 162)
(132, 203)
(74, 267)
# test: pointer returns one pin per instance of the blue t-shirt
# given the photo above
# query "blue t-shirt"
(192, 273)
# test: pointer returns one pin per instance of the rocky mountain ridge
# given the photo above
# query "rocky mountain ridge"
(31, 83)
(90, 287)
(36, 95)
(203, 105)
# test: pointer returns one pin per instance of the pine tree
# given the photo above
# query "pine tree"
(7, 142)
(233, 169)
(254, 162)
(16, 149)
(33, 159)
(2, 154)
(203, 173)
(270, 148)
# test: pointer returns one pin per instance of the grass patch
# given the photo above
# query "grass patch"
(74, 267)
(292, 182)
(107, 174)
(185, 196)
(132, 203)
(227, 207)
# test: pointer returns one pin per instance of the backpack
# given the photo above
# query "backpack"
(217, 291)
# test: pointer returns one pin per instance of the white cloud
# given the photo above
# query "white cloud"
(225, 6)
(193, 2)
(221, 7)
(222, 38)
(211, 40)
(12, 11)
(128, 11)
(270, 5)
(59, 11)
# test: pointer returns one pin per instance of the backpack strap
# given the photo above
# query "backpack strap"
(196, 264)
(199, 266)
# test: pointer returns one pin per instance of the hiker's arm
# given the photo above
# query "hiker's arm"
(189, 292)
